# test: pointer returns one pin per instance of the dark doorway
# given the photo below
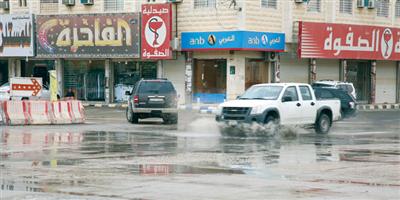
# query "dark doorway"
(209, 81)
(3, 71)
(359, 73)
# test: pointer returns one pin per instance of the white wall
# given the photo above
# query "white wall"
(327, 69)
(174, 70)
(385, 82)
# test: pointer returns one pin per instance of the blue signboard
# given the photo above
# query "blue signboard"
(233, 40)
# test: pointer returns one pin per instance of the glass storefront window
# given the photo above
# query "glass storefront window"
(85, 78)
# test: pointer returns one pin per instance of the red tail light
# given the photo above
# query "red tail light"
(136, 99)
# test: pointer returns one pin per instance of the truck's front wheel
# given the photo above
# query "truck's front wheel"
(323, 124)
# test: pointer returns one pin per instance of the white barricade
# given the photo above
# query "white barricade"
(62, 112)
(39, 112)
(15, 113)
(78, 112)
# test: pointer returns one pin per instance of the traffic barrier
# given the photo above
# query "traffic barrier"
(39, 112)
(78, 112)
(15, 113)
(62, 112)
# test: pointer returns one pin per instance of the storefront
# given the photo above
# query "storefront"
(365, 56)
(84, 48)
(221, 65)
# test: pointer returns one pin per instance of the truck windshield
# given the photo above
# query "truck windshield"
(262, 92)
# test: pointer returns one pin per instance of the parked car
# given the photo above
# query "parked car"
(348, 105)
(282, 104)
(5, 93)
(346, 86)
(152, 98)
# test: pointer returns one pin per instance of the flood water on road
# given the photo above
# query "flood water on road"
(127, 165)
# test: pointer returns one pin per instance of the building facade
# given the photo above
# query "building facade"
(213, 73)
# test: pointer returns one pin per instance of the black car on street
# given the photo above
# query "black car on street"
(155, 98)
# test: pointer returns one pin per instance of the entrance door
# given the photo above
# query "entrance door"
(256, 72)
(359, 73)
(209, 81)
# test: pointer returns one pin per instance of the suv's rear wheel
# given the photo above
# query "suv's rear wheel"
(323, 124)
(131, 117)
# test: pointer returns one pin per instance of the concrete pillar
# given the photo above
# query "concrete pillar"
(58, 65)
(109, 79)
(373, 82)
(312, 71)
(160, 69)
(276, 70)
(398, 82)
(188, 77)
(14, 68)
(343, 72)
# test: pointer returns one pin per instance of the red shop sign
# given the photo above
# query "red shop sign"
(156, 31)
(344, 41)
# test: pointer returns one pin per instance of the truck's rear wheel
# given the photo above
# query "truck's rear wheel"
(323, 124)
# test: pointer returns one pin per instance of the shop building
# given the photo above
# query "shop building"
(376, 78)
(198, 72)
(366, 56)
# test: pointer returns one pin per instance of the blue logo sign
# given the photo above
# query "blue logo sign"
(233, 40)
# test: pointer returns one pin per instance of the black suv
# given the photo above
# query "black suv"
(152, 98)
(348, 105)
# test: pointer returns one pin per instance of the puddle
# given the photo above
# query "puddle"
(170, 169)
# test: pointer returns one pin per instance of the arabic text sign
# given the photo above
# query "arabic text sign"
(233, 40)
(88, 36)
(343, 41)
(25, 86)
(156, 31)
(16, 35)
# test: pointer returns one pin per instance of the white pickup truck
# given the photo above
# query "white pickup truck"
(282, 104)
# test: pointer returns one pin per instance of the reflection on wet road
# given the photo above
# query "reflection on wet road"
(135, 165)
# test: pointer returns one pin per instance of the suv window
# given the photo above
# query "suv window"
(323, 94)
(305, 93)
(292, 92)
(156, 87)
(344, 87)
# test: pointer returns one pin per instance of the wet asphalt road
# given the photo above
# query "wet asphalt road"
(108, 158)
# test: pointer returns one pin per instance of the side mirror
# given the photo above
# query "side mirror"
(127, 93)
(287, 98)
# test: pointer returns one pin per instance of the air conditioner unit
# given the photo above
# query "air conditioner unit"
(371, 4)
(5, 5)
(87, 2)
(69, 2)
(271, 56)
(360, 3)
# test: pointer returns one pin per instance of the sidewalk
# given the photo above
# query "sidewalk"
(212, 108)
